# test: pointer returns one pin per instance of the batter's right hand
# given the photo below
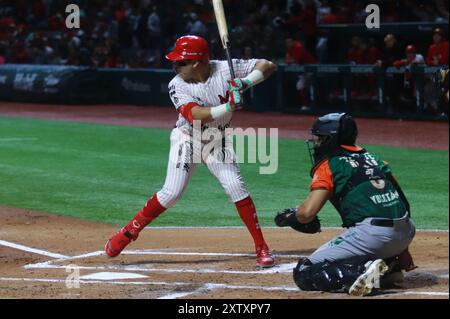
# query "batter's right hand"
(235, 100)
(240, 84)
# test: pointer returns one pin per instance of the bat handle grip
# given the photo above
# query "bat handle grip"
(230, 63)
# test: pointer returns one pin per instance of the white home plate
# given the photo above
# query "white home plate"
(112, 276)
(281, 268)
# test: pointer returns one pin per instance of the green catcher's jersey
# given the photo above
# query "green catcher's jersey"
(361, 186)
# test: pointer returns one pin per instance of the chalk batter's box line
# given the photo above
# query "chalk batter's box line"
(62, 258)
(278, 269)
(283, 268)
(206, 287)
(50, 264)
(211, 287)
(158, 252)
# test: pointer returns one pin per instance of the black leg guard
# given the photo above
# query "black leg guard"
(302, 274)
(326, 276)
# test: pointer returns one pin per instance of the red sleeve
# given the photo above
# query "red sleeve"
(429, 59)
(399, 63)
(352, 55)
(323, 178)
(444, 53)
(290, 59)
(303, 56)
(298, 54)
(374, 55)
(310, 59)
(186, 111)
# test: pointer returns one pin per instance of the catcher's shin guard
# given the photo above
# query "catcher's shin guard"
(325, 276)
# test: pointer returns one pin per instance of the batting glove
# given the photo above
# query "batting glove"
(240, 84)
(235, 99)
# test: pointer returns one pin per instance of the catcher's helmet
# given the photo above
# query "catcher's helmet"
(331, 130)
(190, 47)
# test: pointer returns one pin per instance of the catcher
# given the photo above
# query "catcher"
(371, 204)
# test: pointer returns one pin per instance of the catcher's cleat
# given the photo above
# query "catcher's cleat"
(370, 279)
(265, 258)
(393, 277)
(117, 243)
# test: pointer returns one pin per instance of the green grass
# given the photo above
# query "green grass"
(106, 173)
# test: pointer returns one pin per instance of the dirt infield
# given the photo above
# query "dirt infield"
(177, 263)
(36, 248)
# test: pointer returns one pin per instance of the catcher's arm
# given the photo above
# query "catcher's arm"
(312, 205)
(304, 219)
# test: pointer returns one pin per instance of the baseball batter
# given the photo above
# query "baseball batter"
(204, 91)
(371, 204)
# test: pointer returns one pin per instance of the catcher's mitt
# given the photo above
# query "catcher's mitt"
(287, 218)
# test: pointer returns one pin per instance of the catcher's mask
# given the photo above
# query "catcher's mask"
(328, 132)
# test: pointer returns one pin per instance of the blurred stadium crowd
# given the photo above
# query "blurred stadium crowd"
(137, 33)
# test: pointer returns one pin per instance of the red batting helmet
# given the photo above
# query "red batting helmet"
(190, 47)
(411, 49)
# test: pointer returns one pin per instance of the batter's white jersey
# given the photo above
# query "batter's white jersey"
(211, 93)
(181, 166)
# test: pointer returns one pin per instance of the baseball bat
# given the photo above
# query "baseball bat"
(219, 12)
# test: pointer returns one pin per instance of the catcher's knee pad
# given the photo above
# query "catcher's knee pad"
(302, 274)
(326, 276)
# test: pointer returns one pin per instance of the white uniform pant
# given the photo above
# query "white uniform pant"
(221, 163)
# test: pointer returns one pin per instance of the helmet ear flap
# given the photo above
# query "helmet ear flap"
(348, 131)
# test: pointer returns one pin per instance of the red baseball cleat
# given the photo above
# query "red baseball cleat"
(117, 243)
(265, 257)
